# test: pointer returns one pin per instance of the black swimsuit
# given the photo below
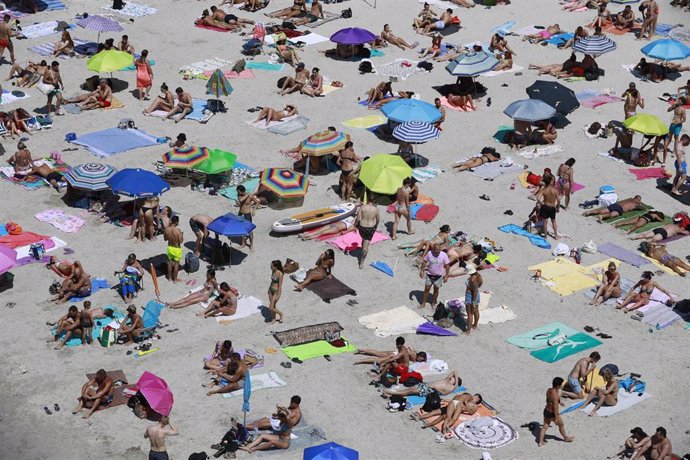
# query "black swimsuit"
(367, 233)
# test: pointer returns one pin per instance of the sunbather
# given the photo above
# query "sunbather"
(225, 304)
(542, 35)
(70, 325)
(273, 423)
(556, 69)
(184, 105)
(77, 285)
(616, 209)
(443, 21)
(269, 114)
(607, 396)
(402, 354)
(280, 439)
(335, 228)
(640, 221)
(22, 161)
(381, 91)
(314, 86)
(95, 393)
(29, 75)
(424, 18)
(62, 268)
(444, 387)
(388, 35)
(579, 374)
(500, 44)
(219, 15)
(207, 20)
(220, 358)
(164, 101)
(322, 270)
(659, 252)
(132, 326)
(287, 53)
(451, 410)
(230, 378)
(625, 19)
(488, 155)
(646, 287)
(661, 233)
(298, 8)
(64, 46)
(200, 296)
(52, 175)
(579, 34)
(435, 49)
(423, 246)
(633, 442)
(610, 287)
(603, 16)
(657, 447)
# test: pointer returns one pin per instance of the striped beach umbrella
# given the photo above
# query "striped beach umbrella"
(666, 49)
(285, 183)
(186, 157)
(100, 24)
(416, 132)
(218, 85)
(90, 176)
(323, 143)
(472, 64)
(625, 2)
(594, 45)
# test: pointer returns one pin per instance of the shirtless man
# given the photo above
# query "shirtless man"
(661, 233)
(52, 77)
(99, 99)
(675, 127)
(583, 367)
(221, 16)
(680, 163)
(347, 160)
(183, 107)
(52, 175)
(6, 37)
(401, 207)
(230, 379)
(70, 325)
(366, 222)
(655, 447)
(551, 412)
(173, 235)
(247, 202)
(616, 209)
(21, 161)
(549, 197)
(77, 285)
(315, 86)
(401, 354)
(625, 19)
(156, 434)
(95, 393)
(444, 387)
(125, 45)
(440, 24)
(451, 410)
(440, 108)
(132, 330)
(272, 423)
(291, 85)
(199, 224)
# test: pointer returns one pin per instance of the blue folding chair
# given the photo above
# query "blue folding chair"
(150, 319)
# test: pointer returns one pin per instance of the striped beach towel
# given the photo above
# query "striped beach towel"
(80, 47)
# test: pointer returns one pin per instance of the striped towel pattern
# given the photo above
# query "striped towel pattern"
(80, 47)
(50, 5)
(426, 173)
(206, 65)
(134, 9)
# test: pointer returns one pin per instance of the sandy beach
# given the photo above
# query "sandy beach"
(336, 396)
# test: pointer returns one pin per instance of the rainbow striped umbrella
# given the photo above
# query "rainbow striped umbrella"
(90, 176)
(185, 158)
(285, 183)
(324, 143)
(218, 85)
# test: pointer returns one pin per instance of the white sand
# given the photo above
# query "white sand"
(336, 396)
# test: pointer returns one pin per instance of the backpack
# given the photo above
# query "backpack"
(126, 123)
(440, 312)
(632, 385)
(612, 367)
(281, 82)
(118, 4)
(239, 66)
(411, 379)
(365, 67)
(346, 13)
(191, 263)
(684, 220)
(432, 402)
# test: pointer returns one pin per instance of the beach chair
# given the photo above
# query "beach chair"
(150, 318)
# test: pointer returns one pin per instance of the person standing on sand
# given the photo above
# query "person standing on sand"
(551, 413)
(473, 283)
(401, 207)
(247, 202)
(681, 165)
(156, 434)
(199, 224)
(6, 37)
(173, 235)
(583, 367)
(366, 222)
(434, 272)
(549, 198)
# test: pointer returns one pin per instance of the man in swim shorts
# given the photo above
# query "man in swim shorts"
(173, 235)
(273, 423)
(199, 224)
(247, 202)
(663, 232)
(6, 37)
(681, 165)
(549, 197)
(441, 23)
(366, 222)
(232, 378)
(95, 393)
(676, 125)
(616, 209)
(583, 367)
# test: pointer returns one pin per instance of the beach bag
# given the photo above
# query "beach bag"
(290, 266)
(118, 4)
(591, 75)
(198, 456)
(388, 380)
(346, 13)
(632, 385)
(45, 88)
(191, 263)
(440, 312)
(683, 306)
(54, 288)
(365, 67)
(239, 66)
(684, 220)
(426, 65)
(108, 337)
(281, 82)
(139, 405)
(13, 228)
(37, 250)
(432, 402)
(533, 179)
(69, 137)
(455, 21)
(411, 379)
(612, 367)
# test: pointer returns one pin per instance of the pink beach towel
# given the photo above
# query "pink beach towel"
(351, 241)
(61, 220)
(445, 103)
(648, 173)
(244, 75)
(602, 99)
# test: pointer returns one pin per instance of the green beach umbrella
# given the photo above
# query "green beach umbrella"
(647, 124)
(218, 85)
(218, 161)
(384, 173)
(109, 61)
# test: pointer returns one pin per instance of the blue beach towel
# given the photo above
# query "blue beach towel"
(265, 66)
(418, 400)
(559, 39)
(536, 240)
(115, 140)
(96, 285)
(98, 326)
(505, 27)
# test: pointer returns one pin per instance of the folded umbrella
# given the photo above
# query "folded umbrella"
(432, 329)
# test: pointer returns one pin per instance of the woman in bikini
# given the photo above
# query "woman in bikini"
(638, 300)
(335, 228)
(640, 221)
(435, 48)
(565, 181)
(220, 358)
(556, 70)
(64, 46)
(650, 14)
(632, 100)
(274, 291)
(210, 286)
(610, 286)
(393, 39)
(608, 396)
(489, 155)
(423, 246)
(324, 266)
(297, 9)
(279, 439)
(165, 101)
(225, 304)
(380, 92)
(270, 114)
(505, 62)
(288, 54)
(603, 16)
(500, 44)
(147, 215)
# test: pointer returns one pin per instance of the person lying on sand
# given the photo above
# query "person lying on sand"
(388, 35)
(232, 24)
(616, 209)
(451, 410)
(29, 75)
(463, 102)
(464, 3)
(273, 423)
(402, 354)
(95, 393)
(220, 358)
(442, 22)
(219, 15)
(297, 9)
(184, 105)
(659, 252)
(610, 287)
(661, 233)
(210, 285)
(270, 114)
(280, 439)
(444, 387)
(580, 372)
(53, 176)
(542, 35)
(333, 229)
(69, 324)
(225, 304)
(646, 287)
(556, 69)
(488, 155)
(62, 268)
(322, 270)
(640, 221)
(423, 246)
(230, 378)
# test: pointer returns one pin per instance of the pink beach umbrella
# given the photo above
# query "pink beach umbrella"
(8, 258)
(156, 392)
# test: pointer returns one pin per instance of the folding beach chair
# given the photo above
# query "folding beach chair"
(150, 319)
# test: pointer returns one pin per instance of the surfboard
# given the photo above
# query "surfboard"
(315, 218)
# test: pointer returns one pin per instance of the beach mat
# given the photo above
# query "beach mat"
(97, 330)
(626, 285)
(316, 349)
(41, 29)
(119, 397)
(352, 241)
(395, 321)
(629, 214)
(265, 66)
(97, 284)
(491, 437)
(8, 97)
(82, 47)
(215, 29)
(622, 254)
(367, 122)
(575, 344)
(246, 306)
(625, 401)
(537, 338)
(536, 240)
(112, 141)
(259, 382)
(61, 220)
(302, 436)
(298, 123)
(133, 9)
(327, 17)
(330, 288)
(231, 192)
(306, 334)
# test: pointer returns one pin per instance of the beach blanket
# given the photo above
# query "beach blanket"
(32, 182)
(298, 123)
(13, 14)
(22, 244)
(628, 214)
(626, 285)
(505, 27)
(61, 220)
(600, 100)
(532, 152)
(663, 29)
(246, 74)
(625, 401)
(648, 173)
(351, 241)
(397, 69)
(328, 88)
(42, 29)
(115, 140)
(455, 108)
(659, 315)
(559, 39)
(565, 277)
(622, 254)
(316, 349)
(259, 382)
(396, 321)
(484, 410)
(119, 396)
(207, 65)
(574, 344)
(215, 29)
(273, 67)
(308, 39)
(537, 338)
(262, 123)
(330, 288)
(527, 30)
(246, 306)
(495, 169)
(49, 5)
(301, 437)
(306, 334)
(369, 121)
(133, 9)
(536, 240)
(425, 173)
(198, 113)
(327, 17)
(8, 97)
(495, 73)
(231, 192)
(97, 330)
(82, 47)
(485, 433)
(97, 284)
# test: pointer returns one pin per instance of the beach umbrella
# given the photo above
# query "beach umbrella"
(90, 176)
(647, 124)
(246, 394)
(137, 183)
(402, 110)
(556, 95)
(472, 64)
(285, 183)
(416, 132)
(353, 36)
(330, 451)
(323, 143)
(8, 258)
(594, 45)
(384, 173)
(231, 225)
(430, 328)
(218, 85)
(218, 161)
(530, 110)
(666, 49)
(109, 61)
(100, 24)
(185, 158)
(156, 392)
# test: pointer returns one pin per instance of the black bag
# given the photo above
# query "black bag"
(388, 380)
(432, 402)
(441, 312)
(591, 75)
(365, 67)
(426, 65)
(365, 53)
(398, 399)
(612, 367)
(288, 25)
(118, 4)
(411, 382)
(346, 13)
(683, 306)
(281, 82)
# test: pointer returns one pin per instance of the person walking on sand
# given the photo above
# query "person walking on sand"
(275, 289)
(581, 371)
(156, 434)
(473, 283)
(6, 37)
(174, 236)
(549, 198)
(551, 413)
(366, 222)
(565, 181)
(401, 207)
(434, 272)
(247, 202)
(681, 165)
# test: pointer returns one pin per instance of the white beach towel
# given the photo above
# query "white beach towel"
(24, 251)
(260, 382)
(426, 173)
(535, 152)
(396, 321)
(492, 73)
(133, 9)
(396, 69)
(262, 124)
(527, 30)
(246, 306)
(625, 401)
(41, 29)
(206, 65)
(309, 39)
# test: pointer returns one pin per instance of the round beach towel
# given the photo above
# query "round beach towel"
(498, 434)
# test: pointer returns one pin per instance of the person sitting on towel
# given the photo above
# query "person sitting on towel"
(451, 410)
(661, 233)
(322, 270)
(625, 19)
(616, 209)
(273, 423)
(131, 326)
(581, 371)
(610, 287)
(225, 304)
(21, 161)
(444, 387)
(442, 22)
(607, 396)
(220, 358)
(280, 439)
(95, 393)
(69, 324)
(645, 288)
(77, 285)
(102, 97)
(231, 378)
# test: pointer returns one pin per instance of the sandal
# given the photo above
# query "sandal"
(297, 360)
(485, 198)
(328, 357)
(286, 365)
(56, 407)
(45, 408)
(588, 329)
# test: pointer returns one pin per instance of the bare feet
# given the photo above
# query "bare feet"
(569, 438)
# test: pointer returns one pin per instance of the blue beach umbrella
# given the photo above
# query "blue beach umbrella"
(137, 183)
(530, 110)
(472, 64)
(330, 451)
(231, 225)
(594, 45)
(666, 49)
(402, 110)
(246, 395)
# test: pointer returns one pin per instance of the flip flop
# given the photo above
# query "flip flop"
(588, 329)
(56, 407)
(297, 360)
(328, 357)
(45, 408)
(485, 198)
(286, 365)
(271, 350)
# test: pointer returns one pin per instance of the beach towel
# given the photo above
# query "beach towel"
(505, 27)
(328, 89)
(97, 330)
(659, 315)
(246, 74)
(61, 220)
(625, 401)
(133, 9)
(351, 241)
(574, 344)
(661, 267)
(306, 334)
(96, 285)
(370, 121)
(327, 17)
(663, 29)
(416, 400)
(273, 67)
(425, 173)
(13, 14)
(259, 382)
(296, 123)
(600, 100)
(42, 29)
(215, 29)
(119, 396)
(495, 169)
(484, 410)
(308, 39)
(330, 288)
(536, 240)
(301, 437)
(495, 73)
(396, 321)
(49, 5)
(115, 140)
(537, 338)
(82, 47)
(261, 124)
(316, 349)
(532, 152)
(430, 328)
(8, 97)
(626, 285)
(648, 173)
(32, 182)
(383, 267)
(559, 39)
(622, 254)
(448, 105)
(397, 69)
(23, 239)
(24, 250)
(207, 65)
(246, 306)
(485, 433)
(231, 192)
(629, 214)
(527, 30)
(488, 315)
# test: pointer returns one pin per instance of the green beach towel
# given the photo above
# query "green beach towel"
(629, 214)
(316, 349)
(575, 344)
(537, 338)
(651, 225)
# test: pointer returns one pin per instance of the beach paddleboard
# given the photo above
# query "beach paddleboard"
(315, 218)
